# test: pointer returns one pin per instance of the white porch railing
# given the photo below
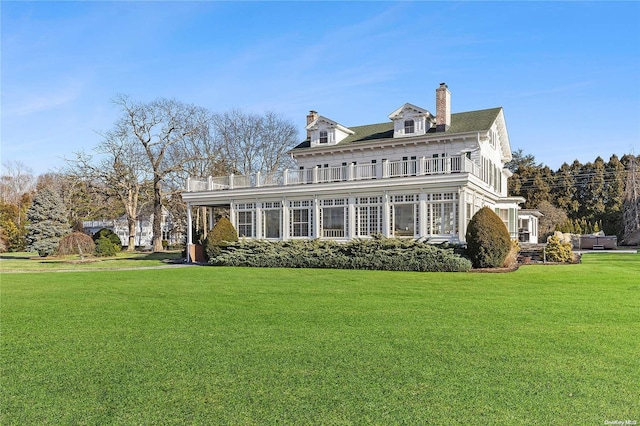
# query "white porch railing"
(384, 170)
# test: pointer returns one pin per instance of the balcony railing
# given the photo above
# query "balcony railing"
(384, 170)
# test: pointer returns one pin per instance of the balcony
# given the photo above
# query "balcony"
(353, 172)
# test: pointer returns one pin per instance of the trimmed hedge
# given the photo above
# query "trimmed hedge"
(386, 254)
(222, 234)
(105, 247)
(488, 240)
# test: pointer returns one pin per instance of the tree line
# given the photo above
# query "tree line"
(141, 164)
(580, 198)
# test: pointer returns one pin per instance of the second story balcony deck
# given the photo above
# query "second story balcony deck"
(352, 172)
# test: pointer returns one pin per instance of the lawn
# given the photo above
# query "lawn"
(19, 262)
(204, 345)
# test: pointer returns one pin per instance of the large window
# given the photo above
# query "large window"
(443, 213)
(334, 218)
(272, 220)
(301, 219)
(368, 216)
(245, 224)
(404, 215)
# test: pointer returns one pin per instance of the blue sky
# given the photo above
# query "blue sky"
(566, 73)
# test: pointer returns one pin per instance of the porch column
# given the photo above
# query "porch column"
(423, 215)
(285, 220)
(386, 215)
(316, 217)
(258, 221)
(351, 218)
(211, 221)
(232, 215)
(189, 233)
(462, 213)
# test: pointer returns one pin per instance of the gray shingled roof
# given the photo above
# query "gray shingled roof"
(462, 122)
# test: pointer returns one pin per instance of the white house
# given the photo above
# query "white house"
(415, 175)
(144, 229)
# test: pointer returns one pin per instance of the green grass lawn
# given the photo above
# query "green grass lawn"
(11, 262)
(204, 345)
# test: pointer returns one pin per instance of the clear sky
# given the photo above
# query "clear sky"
(566, 73)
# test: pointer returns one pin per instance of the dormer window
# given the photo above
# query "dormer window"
(409, 126)
(324, 137)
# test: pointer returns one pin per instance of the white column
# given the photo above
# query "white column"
(211, 218)
(316, 218)
(232, 215)
(258, 221)
(423, 215)
(351, 217)
(189, 232)
(386, 215)
(285, 220)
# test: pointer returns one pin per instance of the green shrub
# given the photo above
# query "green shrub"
(109, 234)
(512, 256)
(374, 254)
(222, 234)
(557, 251)
(105, 247)
(76, 243)
(488, 240)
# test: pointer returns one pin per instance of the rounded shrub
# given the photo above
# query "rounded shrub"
(110, 235)
(222, 234)
(557, 251)
(105, 248)
(76, 243)
(488, 240)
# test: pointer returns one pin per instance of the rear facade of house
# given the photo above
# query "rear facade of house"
(416, 175)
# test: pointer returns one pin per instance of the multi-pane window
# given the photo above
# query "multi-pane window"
(443, 213)
(245, 219)
(245, 223)
(324, 136)
(368, 216)
(301, 218)
(409, 126)
(404, 215)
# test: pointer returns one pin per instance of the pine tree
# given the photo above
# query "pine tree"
(48, 222)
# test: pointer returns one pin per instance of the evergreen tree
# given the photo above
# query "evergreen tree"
(48, 222)
(565, 190)
(616, 175)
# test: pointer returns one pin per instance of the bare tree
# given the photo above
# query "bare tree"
(120, 172)
(163, 128)
(253, 143)
(17, 180)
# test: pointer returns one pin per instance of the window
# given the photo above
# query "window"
(245, 223)
(409, 127)
(301, 219)
(333, 222)
(368, 216)
(272, 220)
(324, 137)
(403, 220)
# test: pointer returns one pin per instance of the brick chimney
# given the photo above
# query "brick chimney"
(443, 108)
(311, 117)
